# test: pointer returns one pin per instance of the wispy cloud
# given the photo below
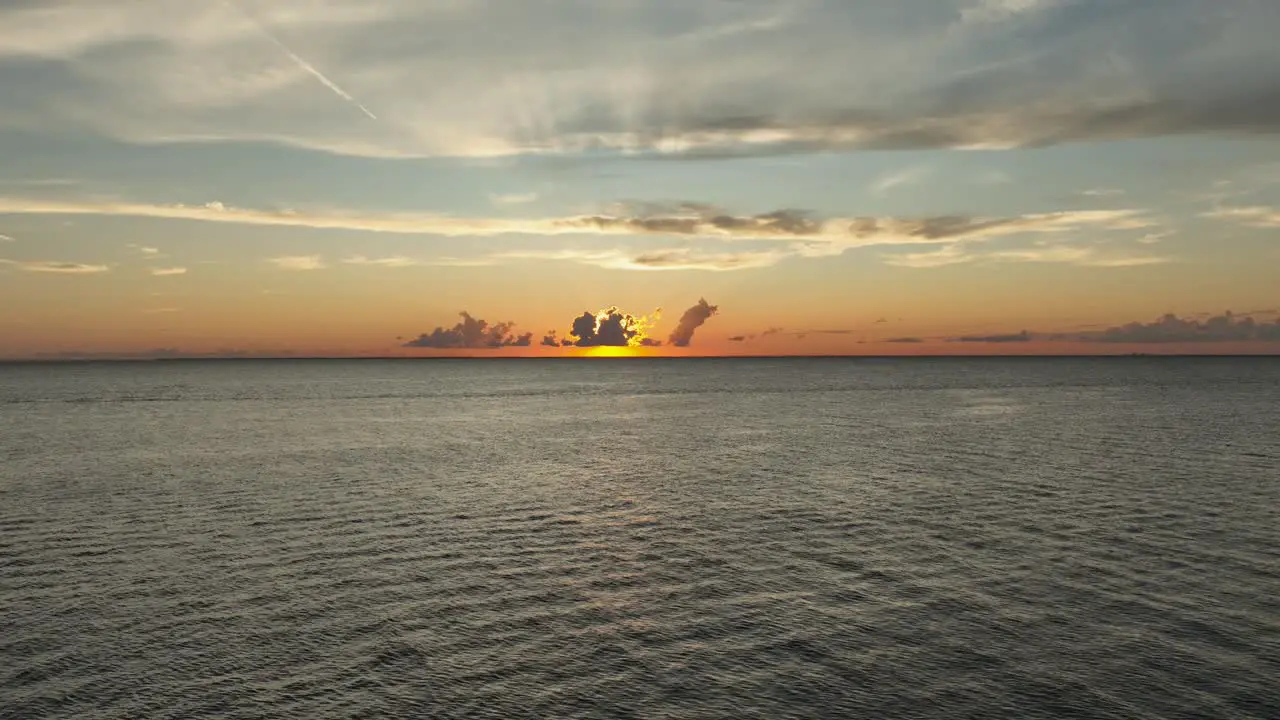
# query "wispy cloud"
(168, 271)
(1040, 252)
(298, 262)
(1125, 261)
(513, 198)
(56, 267)
(993, 177)
(387, 262)
(1075, 255)
(898, 179)
(950, 255)
(1258, 217)
(795, 233)
(161, 310)
(6, 238)
(993, 11)
(659, 259)
(41, 182)
(686, 220)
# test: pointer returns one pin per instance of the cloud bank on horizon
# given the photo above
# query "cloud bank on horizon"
(664, 78)
(471, 333)
(1168, 329)
(610, 327)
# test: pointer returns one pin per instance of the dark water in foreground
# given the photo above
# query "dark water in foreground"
(651, 539)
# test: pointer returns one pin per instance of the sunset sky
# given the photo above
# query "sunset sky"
(344, 177)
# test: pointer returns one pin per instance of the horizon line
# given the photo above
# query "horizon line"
(487, 358)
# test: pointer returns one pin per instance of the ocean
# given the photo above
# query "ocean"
(639, 538)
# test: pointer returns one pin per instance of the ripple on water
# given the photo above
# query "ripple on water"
(1069, 539)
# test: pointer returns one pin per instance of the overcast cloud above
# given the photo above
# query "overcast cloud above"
(408, 78)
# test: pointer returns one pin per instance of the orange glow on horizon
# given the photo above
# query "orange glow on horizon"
(610, 351)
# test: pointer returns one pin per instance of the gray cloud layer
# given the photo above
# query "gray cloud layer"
(664, 77)
(1227, 327)
(55, 267)
(1017, 337)
(793, 233)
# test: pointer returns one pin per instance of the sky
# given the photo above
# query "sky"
(421, 177)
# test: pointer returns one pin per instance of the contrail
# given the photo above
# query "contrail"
(299, 61)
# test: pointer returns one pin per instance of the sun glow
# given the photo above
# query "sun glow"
(611, 351)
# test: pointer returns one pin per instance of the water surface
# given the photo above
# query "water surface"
(988, 538)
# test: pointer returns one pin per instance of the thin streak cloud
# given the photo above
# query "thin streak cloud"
(1081, 255)
(55, 267)
(1258, 217)
(302, 64)
(995, 11)
(654, 260)
(298, 262)
(386, 262)
(513, 198)
(899, 179)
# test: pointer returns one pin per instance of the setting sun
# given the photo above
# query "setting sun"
(607, 351)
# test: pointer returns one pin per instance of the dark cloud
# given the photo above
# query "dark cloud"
(690, 321)
(1023, 336)
(1269, 313)
(809, 235)
(802, 333)
(472, 333)
(699, 219)
(905, 340)
(959, 117)
(946, 227)
(1227, 327)
(797, 334)
(550, 340)
(608, 328)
